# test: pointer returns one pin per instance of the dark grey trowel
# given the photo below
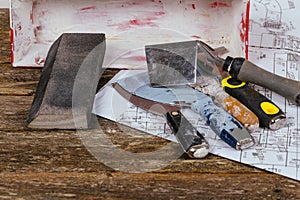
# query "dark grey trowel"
(66, 90)
(172, 63)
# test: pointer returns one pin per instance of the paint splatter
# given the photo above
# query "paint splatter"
(34, 5)
(243, 29)
(142, 22)
(39, 61)
(12, 53)
(39, 28)
(138, 58)
(196, 37)
(217, 4)
(146, 18)
(89, 8)
(19, 27)
(159, 1)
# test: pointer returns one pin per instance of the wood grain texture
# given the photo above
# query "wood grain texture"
(54, 164)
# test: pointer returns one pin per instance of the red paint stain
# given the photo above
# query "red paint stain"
(12, 55)
(130, 4)
(135, 22)
(138, 58)
(19, 27)
(244, 32)
(159, 13)
(242, 29)
(218, 4)
(142, 21)
(33, 7)
(247, 22)
(138, 22)
(39, 60)
(196, 36)
(39, 28)
(147, 18)
(194, 6)
(89, 8)
(157, 1)
(31, 16)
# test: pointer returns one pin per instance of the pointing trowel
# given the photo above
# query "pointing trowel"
(157, 99)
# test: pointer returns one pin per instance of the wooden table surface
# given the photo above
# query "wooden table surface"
(54, 164)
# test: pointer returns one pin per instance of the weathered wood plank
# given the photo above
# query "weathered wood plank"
(40, 150)
(54, 164)
(133, 186)
(4, 37)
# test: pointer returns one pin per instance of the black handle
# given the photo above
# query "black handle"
(192, 142)
(269, 114)
(247, 71)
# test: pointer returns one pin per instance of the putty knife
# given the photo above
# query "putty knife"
(192, 142)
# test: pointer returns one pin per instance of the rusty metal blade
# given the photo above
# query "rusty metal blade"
(148, 105)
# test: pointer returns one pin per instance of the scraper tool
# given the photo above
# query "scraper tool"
(224, 125)
(192, 142)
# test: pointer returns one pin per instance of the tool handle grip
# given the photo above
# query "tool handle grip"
(241, 113)
(269, 114)
(228, 103)
(223, 124)
(247, 71)
(192, 142)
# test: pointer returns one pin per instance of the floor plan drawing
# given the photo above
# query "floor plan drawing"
(274, 46)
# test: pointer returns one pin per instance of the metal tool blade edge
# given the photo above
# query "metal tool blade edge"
(148, 105)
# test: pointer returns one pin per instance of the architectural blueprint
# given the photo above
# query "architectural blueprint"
(273, 45)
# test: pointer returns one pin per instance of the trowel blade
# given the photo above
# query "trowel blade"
(172, 63)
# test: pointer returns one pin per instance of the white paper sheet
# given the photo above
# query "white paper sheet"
(269, 153)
